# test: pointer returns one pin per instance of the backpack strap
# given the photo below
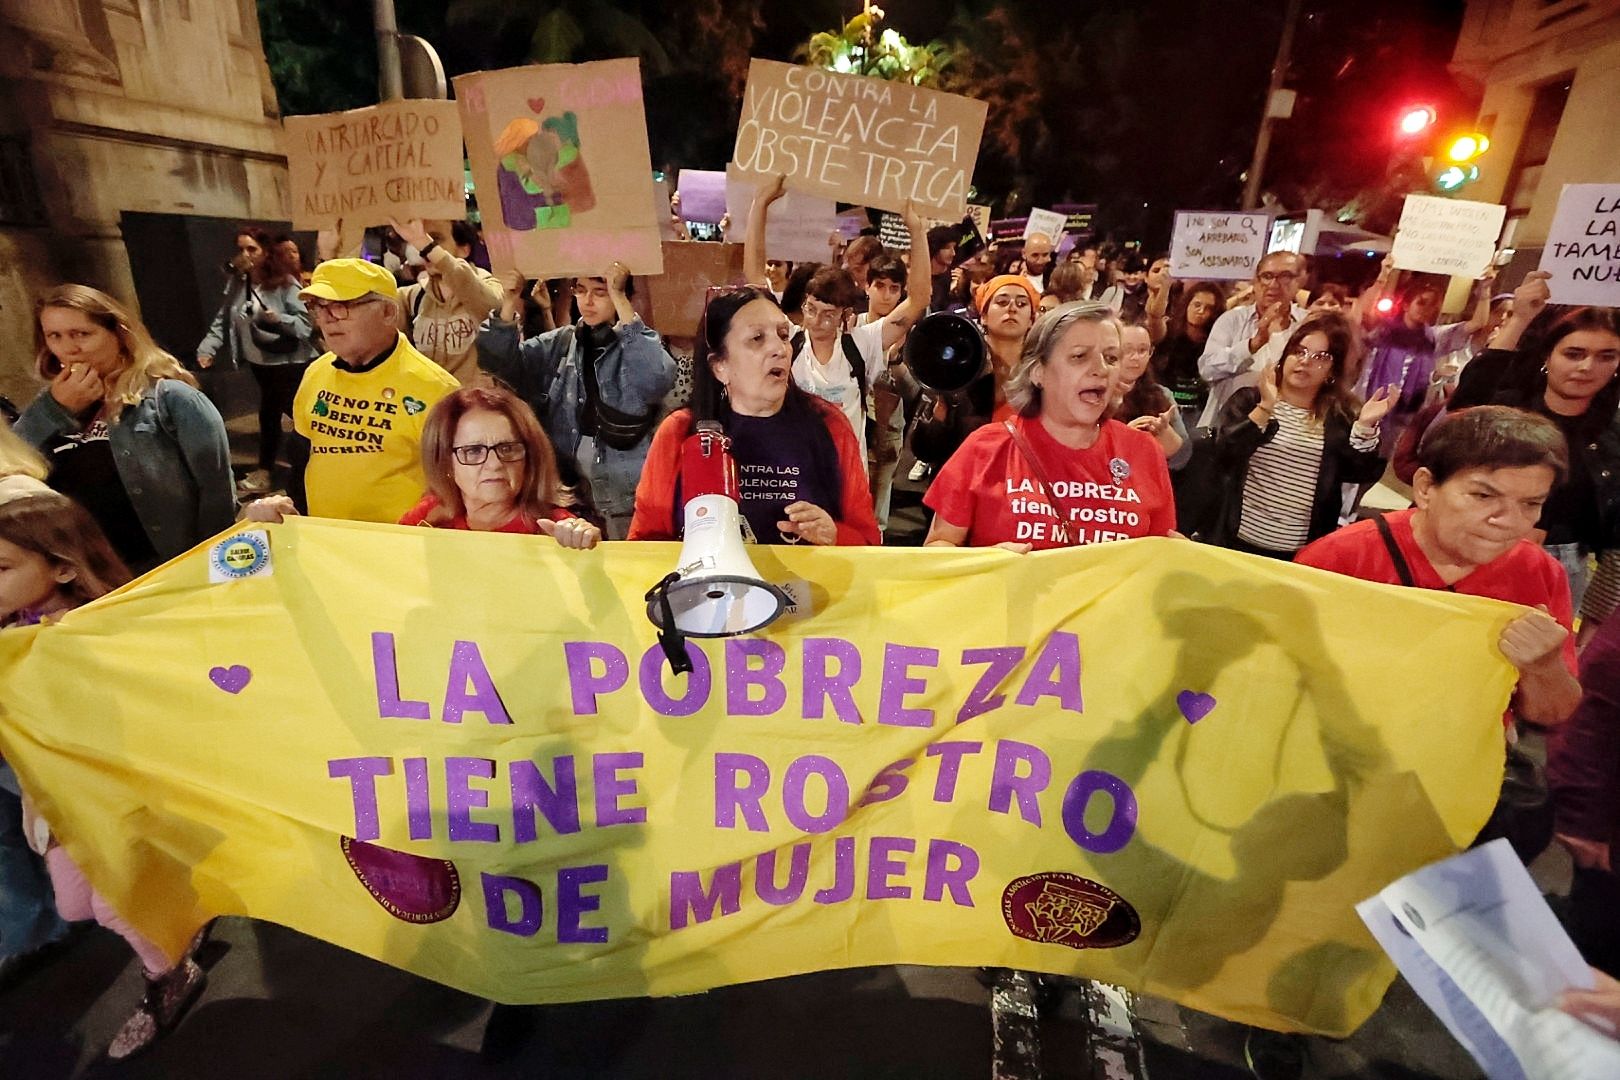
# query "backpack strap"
(1402, 569)
(1059, 509)
(857, 364)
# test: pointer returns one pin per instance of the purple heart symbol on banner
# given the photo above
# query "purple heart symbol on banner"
(1194, 706)
(232, 679)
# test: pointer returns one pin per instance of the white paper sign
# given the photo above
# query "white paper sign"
(1049, 223)
(1583, 246)
(1217, 245)
(799, 224)
(1447, 236)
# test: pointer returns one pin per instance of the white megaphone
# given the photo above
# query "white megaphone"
(715, 591)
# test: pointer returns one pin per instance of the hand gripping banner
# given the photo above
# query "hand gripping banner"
(1153, 762)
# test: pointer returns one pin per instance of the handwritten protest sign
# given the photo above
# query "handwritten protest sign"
(1583, 246)
(703, 196)
(1048, 223)
(690, 267)
(493, 780)
(1447, 236)
(1079, 219)
(1217, 245)
(981, 217)
(798, 227)
(399, 160)
(559, 154)
(892, 232)
(1008, 228)
(866, 141)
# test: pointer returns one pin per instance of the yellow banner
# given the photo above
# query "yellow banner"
(1155, 763)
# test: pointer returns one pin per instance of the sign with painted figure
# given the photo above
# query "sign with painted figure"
(559, 154)
(703, 195)
(690, 268)
(468, 749)
(401, 159)
(859, 140)
(799, 226)
(1048, 223)
(1583, 246)
(1217, 245)
(1447, 236)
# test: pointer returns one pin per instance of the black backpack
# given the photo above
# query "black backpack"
(857, 364)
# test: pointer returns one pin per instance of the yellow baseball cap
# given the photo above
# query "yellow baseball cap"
(350, 279)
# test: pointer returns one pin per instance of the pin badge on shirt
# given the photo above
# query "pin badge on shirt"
(1119, 469)
(388, 393)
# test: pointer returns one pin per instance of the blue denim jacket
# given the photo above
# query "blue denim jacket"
(172, 455)
(230, 336)
(634, 374)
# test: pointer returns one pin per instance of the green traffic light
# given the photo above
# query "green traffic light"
(1455, 176)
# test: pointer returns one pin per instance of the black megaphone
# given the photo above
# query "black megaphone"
(945, 352)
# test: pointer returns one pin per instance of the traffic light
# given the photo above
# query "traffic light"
(1415, 120)
(1461, 153)
(1453, 177)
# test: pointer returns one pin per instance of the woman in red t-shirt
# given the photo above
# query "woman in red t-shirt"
(1059, 472)
(490, 468)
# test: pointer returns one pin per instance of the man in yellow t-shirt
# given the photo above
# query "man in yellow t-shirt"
(362, 405)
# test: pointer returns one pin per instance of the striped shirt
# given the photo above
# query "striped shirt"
(1280, 487)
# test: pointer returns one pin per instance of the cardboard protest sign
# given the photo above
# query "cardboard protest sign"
(690, 267)
(559, 154)
(492, 780)
(1218, 245)
(866, 141)
(1447, 236)
(703, 196)
(1047, 223)
(401, 159)
(798, 227)
(1583, 246)
(980, 214)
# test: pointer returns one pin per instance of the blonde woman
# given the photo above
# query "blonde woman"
(125, 430)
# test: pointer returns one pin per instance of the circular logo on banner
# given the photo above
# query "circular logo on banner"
(1119, 469)
(411, 888)
(240, 556)
(1058, 908)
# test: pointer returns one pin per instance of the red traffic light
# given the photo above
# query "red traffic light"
(1416, 119)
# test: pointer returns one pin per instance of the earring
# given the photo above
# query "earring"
(1544, 369)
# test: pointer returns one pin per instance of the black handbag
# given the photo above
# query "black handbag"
(277, 341)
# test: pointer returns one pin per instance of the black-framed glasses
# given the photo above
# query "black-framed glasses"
(478, 453)
(1275, 277)
(336, 310)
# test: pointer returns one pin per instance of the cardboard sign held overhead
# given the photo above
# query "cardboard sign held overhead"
(399, 160)
(1447, 236)
(690, 267)
(1217, 245)
(559, 153)
(798, 227)
(1583, 246)
(703, 195)
(865, 141)
(1048, 223)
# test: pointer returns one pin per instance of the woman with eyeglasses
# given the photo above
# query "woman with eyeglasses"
(490, 468)
(596, 385)
(801, 473)
(1287, 443)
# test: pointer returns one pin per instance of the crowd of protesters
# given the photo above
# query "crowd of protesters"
(1113, 403)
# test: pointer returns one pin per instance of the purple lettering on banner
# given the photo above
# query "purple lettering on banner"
(765, 876)
(820, 686)
(950, 756)
(571, 904)
(418, 800)
(880, 867)
(1121, 823)
(889, 783)
(697, 682)
(688, 901)
(558, 802)
(470, 689)
(982, 698)
(898, 682)
(610, 789)
(941, 875)
(1055, 673)
(793, 782)
(729, 798)
(496, 887)
(385, 671)
(843, 886)
(583, 683)
(1007, 781)
(463, 799)
(362, 773)
(740, 676)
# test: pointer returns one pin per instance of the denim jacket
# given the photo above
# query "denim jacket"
(172, 455)
(634, 374)
(231, 332)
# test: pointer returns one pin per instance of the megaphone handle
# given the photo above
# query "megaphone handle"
(670, 637)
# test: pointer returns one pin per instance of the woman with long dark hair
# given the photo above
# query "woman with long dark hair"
(1175, 361)
(802, 474)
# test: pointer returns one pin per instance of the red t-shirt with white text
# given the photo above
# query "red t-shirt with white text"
(1116, 489)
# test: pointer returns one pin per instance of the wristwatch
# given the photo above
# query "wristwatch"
(425, 252)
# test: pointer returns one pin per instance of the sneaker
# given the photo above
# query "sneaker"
(919, 471)
(166, 1000)
(256, 481)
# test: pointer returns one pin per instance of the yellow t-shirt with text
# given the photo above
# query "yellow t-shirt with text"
(365, 433)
